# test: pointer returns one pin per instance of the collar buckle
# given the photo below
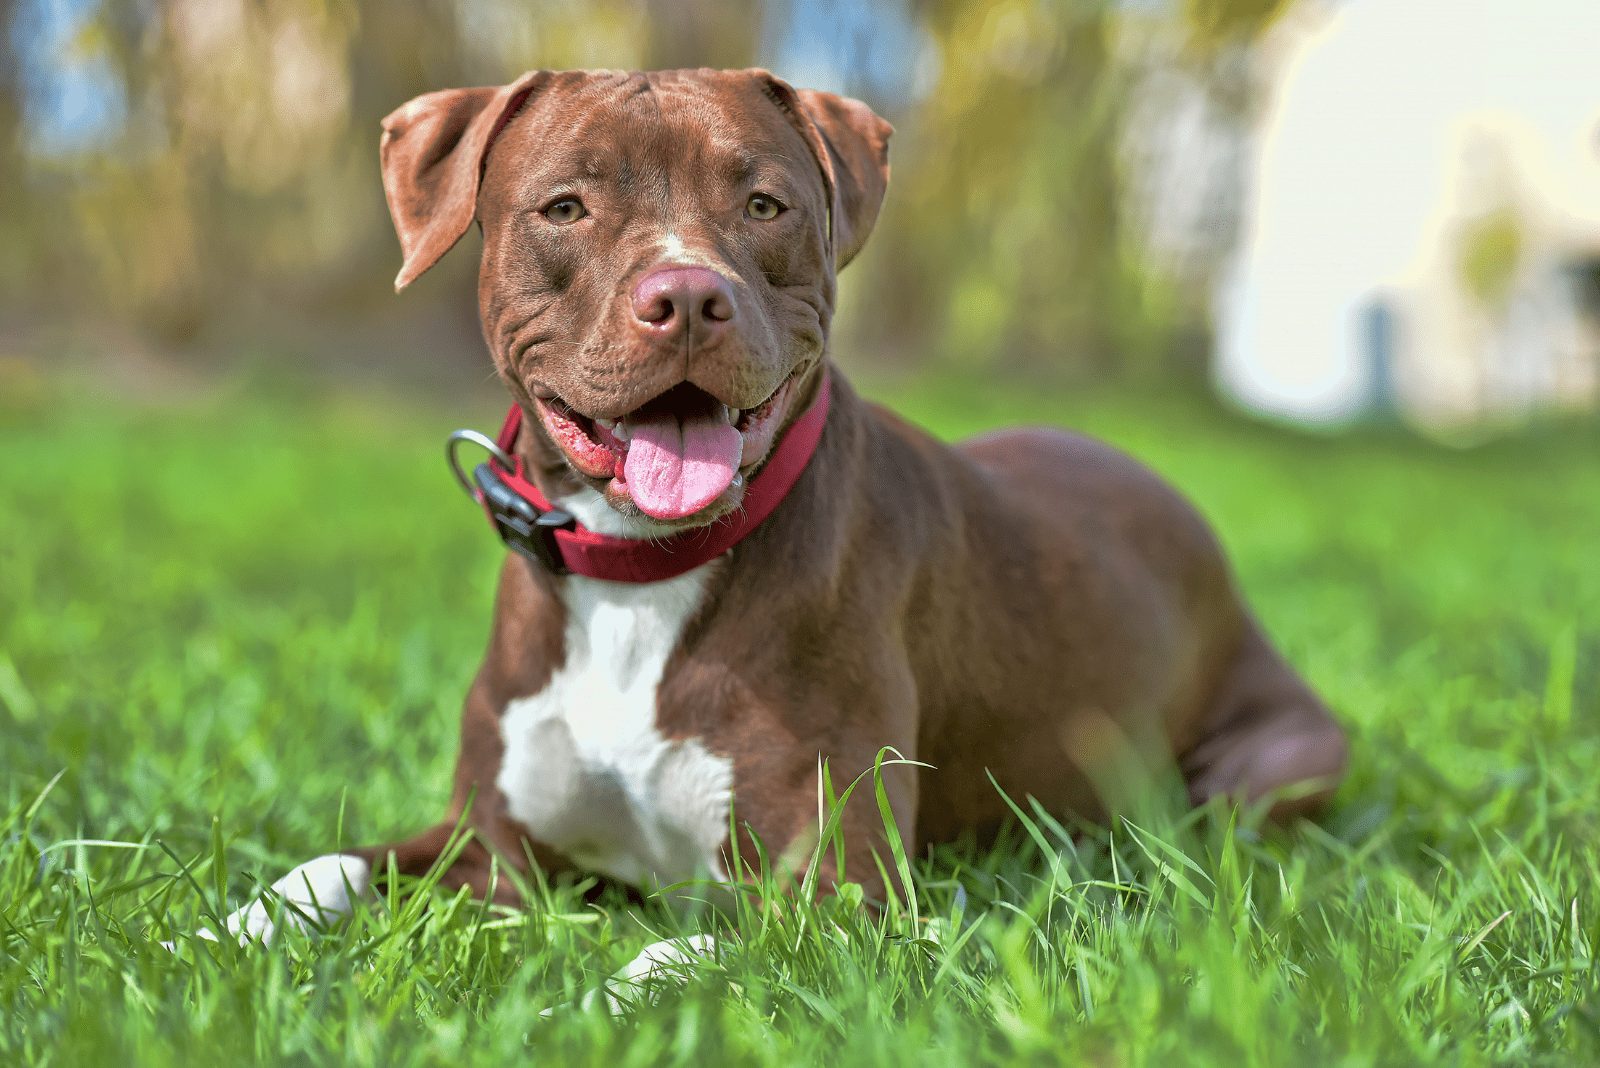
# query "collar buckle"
(524, 528)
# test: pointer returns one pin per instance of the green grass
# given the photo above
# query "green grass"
(236, 631)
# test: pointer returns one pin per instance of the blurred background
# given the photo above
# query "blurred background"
(1330, 267)
(1329, 210)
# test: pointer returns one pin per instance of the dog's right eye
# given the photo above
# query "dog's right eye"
(565, 211)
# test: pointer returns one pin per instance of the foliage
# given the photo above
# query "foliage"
(229, 188)
(1489, 252)
(235, 631)
(1018, 234)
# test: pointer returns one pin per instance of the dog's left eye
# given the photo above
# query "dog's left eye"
(565, 211)
(762, 207)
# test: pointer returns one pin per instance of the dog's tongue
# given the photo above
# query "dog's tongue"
(678, 464)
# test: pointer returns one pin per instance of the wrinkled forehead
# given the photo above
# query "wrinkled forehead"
(651, 132)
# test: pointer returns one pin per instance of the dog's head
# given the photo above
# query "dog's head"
(658, 261)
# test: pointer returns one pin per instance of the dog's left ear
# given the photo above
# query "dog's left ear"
(851, 144)
(432, 156)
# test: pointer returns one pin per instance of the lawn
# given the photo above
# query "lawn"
(236, 629)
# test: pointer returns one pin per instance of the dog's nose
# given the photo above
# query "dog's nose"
(672, 299)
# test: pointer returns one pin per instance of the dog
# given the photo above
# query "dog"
(731, 572)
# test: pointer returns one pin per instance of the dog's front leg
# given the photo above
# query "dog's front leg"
(312, 896)
(324, 891)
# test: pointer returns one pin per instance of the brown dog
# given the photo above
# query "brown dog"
(657, 286)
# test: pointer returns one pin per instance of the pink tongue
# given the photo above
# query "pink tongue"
(675, 467)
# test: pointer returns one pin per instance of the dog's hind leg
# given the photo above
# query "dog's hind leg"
(1269, 738)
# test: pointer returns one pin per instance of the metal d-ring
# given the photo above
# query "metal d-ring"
(484, 442)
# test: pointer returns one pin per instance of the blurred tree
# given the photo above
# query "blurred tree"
(1007, 246)
(1017, 238)
(14, 240)
(227, 187)
(1212, 28)
(700, 33)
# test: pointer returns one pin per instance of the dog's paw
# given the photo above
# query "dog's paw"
(312, 897)
(669, 962)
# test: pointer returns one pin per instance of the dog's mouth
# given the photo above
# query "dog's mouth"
(674, 456)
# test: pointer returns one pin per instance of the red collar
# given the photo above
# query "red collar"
(532, 526)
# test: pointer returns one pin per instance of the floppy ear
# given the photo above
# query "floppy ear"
(851, 144)
(432, 155)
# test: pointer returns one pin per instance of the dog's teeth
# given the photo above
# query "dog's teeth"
(731, 415)
(619, 430)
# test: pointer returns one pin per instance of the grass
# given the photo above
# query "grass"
(236, 630)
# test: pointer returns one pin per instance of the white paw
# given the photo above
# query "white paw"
(670, 962)
(312, 897)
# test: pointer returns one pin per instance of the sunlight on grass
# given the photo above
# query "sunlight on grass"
(235, 635)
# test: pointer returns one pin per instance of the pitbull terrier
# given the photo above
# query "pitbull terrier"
(732, 570)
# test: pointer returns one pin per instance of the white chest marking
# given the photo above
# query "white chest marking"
(587, 771)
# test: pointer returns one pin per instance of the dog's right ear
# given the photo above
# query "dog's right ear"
(432, 156)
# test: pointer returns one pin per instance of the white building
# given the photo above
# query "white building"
(1423, 228)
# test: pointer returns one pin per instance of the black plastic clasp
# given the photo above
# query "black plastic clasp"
(522, 527)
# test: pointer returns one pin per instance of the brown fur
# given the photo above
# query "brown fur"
(1030, 604)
